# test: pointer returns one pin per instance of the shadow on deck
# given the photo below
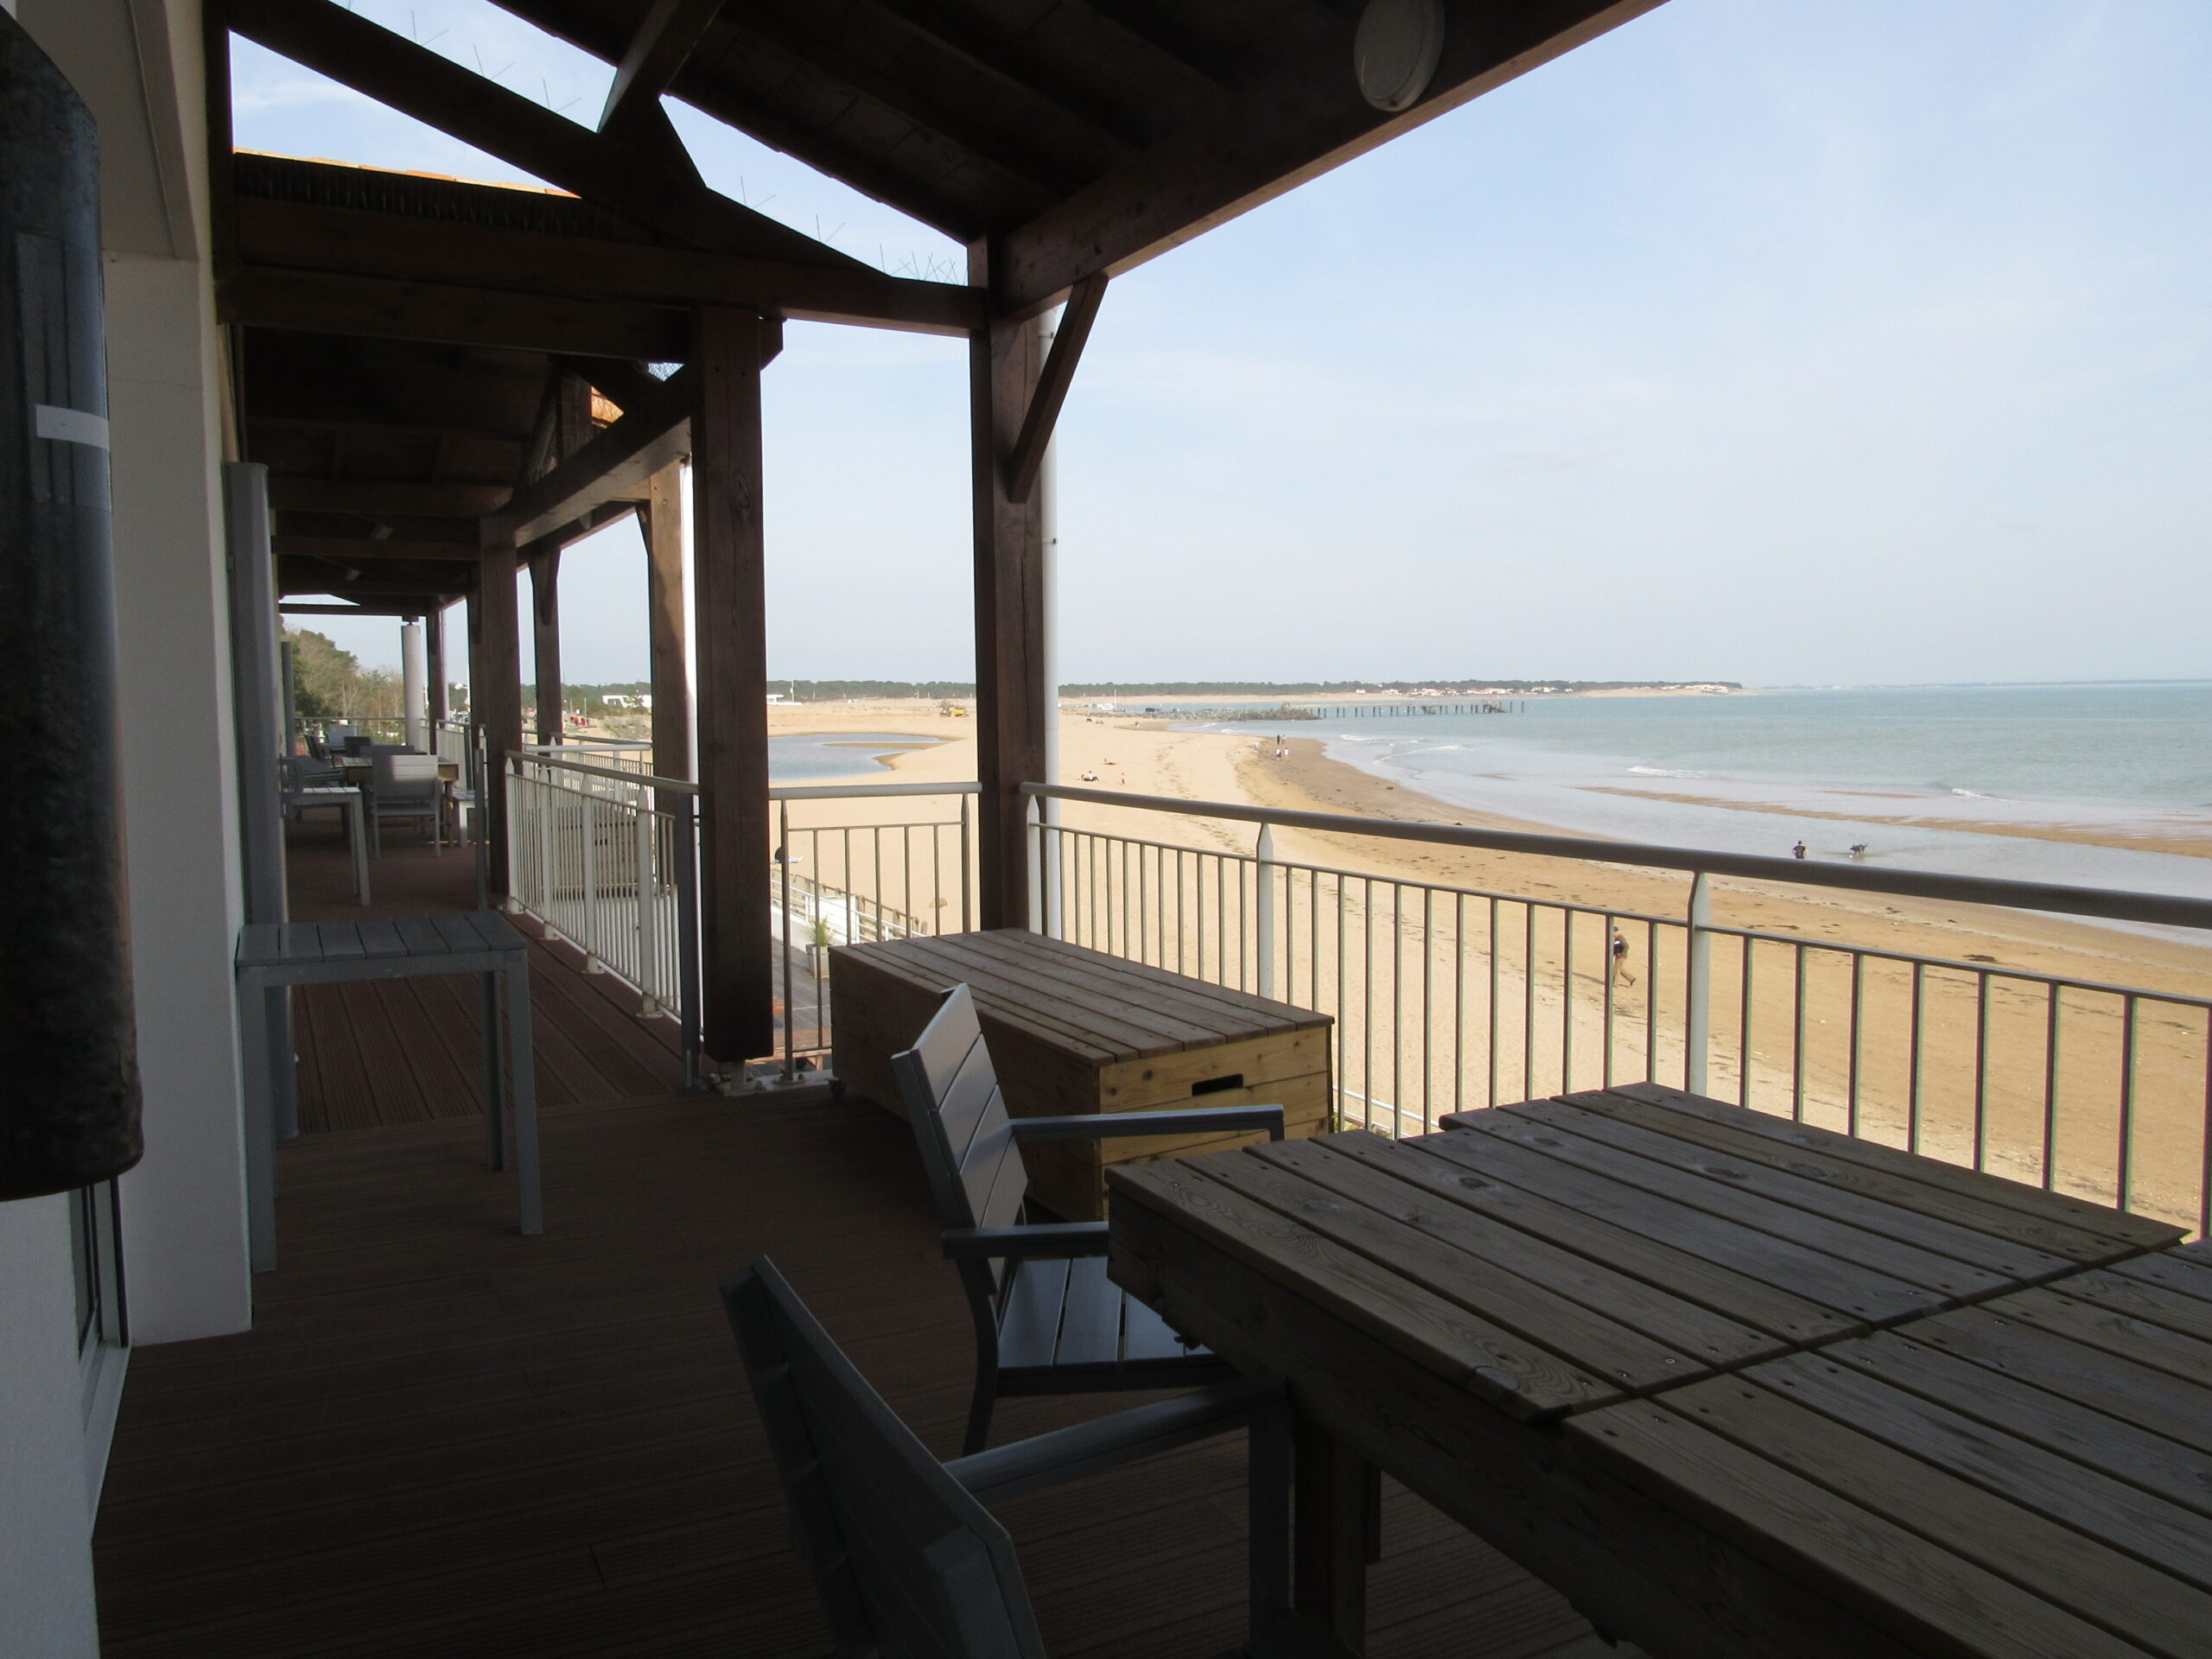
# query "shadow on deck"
(444, 1439)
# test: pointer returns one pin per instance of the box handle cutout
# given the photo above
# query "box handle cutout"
(1214, 1085)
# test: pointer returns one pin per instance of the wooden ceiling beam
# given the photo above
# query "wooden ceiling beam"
(582, 24)
(616, 464)
(316, 576)
(624, 384)
(1293, 124)
(358, 549)
(420, 604)
(1166, 33)
(1065, 96)
(378, 498)
(658, 50)
(1009, 156)
(588, 272)
(602, 167)
(369, 426)
(325, 302)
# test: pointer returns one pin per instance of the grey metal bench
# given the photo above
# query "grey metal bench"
(273, 956)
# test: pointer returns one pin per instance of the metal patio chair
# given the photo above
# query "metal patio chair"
(1048, 1319)
(907, 1558)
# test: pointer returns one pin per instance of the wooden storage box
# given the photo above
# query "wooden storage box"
(1071, 1031)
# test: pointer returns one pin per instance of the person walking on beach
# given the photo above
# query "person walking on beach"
(1798, 851)
(1618, 948)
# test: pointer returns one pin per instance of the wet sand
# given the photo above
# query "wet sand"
(2191, 842)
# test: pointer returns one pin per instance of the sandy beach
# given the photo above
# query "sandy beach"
(1517, 993)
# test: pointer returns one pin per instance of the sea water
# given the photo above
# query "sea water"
(804, 757)
(1758, 771)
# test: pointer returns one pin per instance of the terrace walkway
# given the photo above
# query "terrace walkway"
(444, 1439)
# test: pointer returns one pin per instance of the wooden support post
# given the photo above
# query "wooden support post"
(495, 686)
(669, 626)
(1011, 703)
(436, 643)
(728, 560)
(545, 619)
(1329, 1544)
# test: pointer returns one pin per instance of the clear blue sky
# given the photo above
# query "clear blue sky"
(1831, 340)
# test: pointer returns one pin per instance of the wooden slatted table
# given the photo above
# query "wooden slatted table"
(274, 955)
(1072, 1030)
(1543, 1319)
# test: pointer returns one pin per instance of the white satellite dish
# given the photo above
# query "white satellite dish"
(1395, 51)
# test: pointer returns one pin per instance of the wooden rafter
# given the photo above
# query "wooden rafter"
(1166, 33)
(1292, 125)
(599, 167)
(1066, 97)
(624, 384)
(1011, 156)
(375, 308)
(1052, 382)
(420, 605)
(576, 271)
(385, 498)
(663, 42)
(359, 550)
(584, 26)
(617, 464)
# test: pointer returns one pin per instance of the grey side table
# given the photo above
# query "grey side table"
(273, 956)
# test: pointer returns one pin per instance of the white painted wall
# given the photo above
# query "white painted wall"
(184, 1207)
(46, 1559)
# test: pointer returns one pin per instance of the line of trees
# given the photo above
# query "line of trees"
(327, 682)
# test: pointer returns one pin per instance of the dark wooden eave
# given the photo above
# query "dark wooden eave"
(1068, 137)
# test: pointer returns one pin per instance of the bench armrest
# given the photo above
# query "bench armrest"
(1195, 1120)
(1108, 1442)
(1051, 1240)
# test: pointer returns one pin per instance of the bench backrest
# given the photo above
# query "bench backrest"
(406, 768)
(907, 1561)
(951, 1095)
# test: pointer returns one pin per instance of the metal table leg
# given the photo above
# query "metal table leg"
(260, 1129)
(357, 837)
(495, 1095)
(525, 1077)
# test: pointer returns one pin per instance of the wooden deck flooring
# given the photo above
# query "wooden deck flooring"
(444, 1439)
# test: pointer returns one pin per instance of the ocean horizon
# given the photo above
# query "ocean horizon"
(2098, 784)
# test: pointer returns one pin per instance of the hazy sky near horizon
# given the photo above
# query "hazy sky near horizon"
(1825, 341)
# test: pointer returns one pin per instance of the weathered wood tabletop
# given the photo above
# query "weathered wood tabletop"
(1588, 1327)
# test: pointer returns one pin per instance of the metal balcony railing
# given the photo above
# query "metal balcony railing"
(1447, 998)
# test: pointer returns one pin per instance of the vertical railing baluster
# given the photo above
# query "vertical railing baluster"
(1914, 1050)
(1263, 854)
(1858, 1036)
(2125, 1183)
(1980, 1072)
(1697, 990)
(1611, 971)
(1797, 1045)
(1567, 1000)
(1529, 1001)
(783, 873)
(2053, 1007)
(1493, 1010)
